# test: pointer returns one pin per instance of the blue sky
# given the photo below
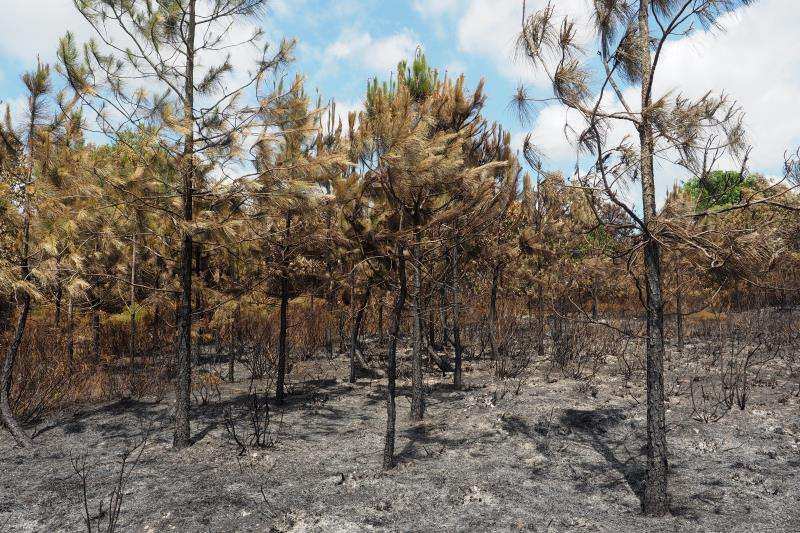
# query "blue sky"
(343, 43)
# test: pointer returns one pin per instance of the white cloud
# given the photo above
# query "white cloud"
(33, 29)
(757, 62)
(381, 54)
(489, 28)
(435, 8)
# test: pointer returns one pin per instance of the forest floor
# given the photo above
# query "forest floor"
(537, 454)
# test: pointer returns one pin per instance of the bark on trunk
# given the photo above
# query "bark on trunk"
(6, 378)
(357, 322)
(417, 392)
(70, 333)
(236, 342)
(443, 310)
(457, 378)
(9, 420)
(391, 370)
(281, 379)
(655, 493)
(380, 319)
(679, 309)
(493, 319)
(132, 332)
(95, 336)
(182, 437)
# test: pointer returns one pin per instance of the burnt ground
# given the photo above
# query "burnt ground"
(541, 454)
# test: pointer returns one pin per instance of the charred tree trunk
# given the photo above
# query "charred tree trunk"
(132, 330)
(342, 322)
(679, 309)
(493, 316)
(443, 310)
(59, 293)
(541, 320)
(7, 414)
(70, 333)
(391, 366)
(235, 347)
(454, 272)
(357, 322)
(5, 314)
(417, 390)
(281, 378)
(431, 327)
(9, 420)
(380, 319)
(95, 334)
(655, 501)
(182, 437)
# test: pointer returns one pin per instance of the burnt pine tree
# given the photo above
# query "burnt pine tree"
(629, 38)
(170, 64)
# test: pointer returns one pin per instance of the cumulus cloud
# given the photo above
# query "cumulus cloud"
(374, 54)
(435, 8)
(489, 28)
(33, 28)
(755, 61)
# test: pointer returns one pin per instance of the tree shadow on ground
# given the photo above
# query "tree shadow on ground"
(592, 427)
(78, 421)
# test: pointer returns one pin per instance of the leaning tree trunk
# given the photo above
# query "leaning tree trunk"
(655, 492)
(182, 437)
(456, 318)
(281, 378)
(9, 419)
(417, 392)
(391, 370)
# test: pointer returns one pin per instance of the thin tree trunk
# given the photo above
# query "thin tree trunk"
(59, 292)
(70, 333)
(95, 335)
(417, 392)
(443, 310)
(356, 329)
(679, 309)
(391, 371)
(132, 336)
(182, 437)
(5, 314)
(380, 318)
(541, 320)
(281, 379)
(342, 321)
(431, 327)
(493, 317)
(235, 342)
(353, 333)
(9, 419)
(655, 501)
(7, 414)
(457, 378)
